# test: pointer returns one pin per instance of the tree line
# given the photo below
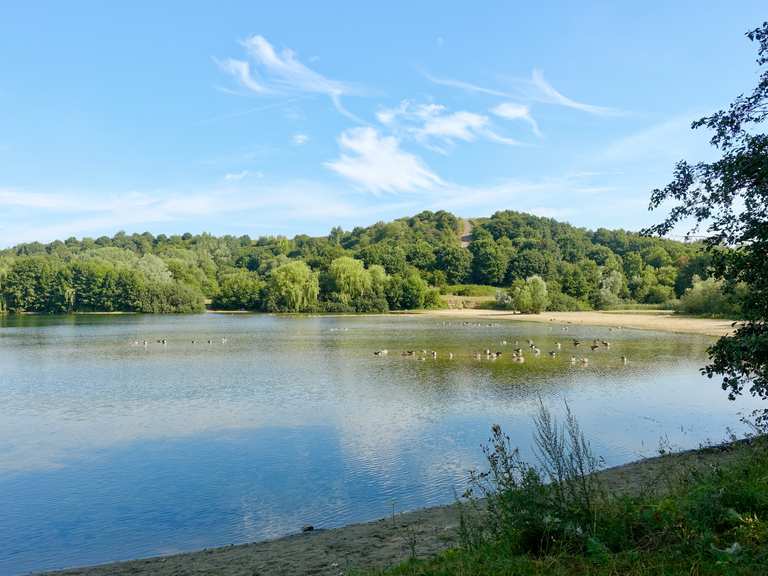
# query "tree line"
(539, 263)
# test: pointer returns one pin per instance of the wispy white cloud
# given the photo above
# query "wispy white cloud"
(432, 125)
(643, 148)
(283, 72)
(235, 176)
(467, 86)
(377, 163)
(514, 111)
(541, 196)
(300, 139)
(606, 185)
(11, 198)
(454, 126)
(262, 207)
(246, 112)
(241, 70)
(533, 89)
(547, 93)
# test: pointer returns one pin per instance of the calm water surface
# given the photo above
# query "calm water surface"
(111, 451)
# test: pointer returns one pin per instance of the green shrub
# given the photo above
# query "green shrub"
(658, 294)
(239, 290)
(706, 297)
(559, 302)
(432, 299)
(468, 290)
(526, 296)
(534, 509)
(406, 291)
(168, 298)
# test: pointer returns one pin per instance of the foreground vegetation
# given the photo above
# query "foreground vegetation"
(557, 518)
(538, 263)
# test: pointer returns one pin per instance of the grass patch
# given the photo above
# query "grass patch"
(476, 302)
(640, 312)
(636, 306)
(556, 518)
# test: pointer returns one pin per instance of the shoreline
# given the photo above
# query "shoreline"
(379, 543)
(661, 321)
(657, 320)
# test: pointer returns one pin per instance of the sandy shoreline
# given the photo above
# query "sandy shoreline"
(661, 321)
(375, 544)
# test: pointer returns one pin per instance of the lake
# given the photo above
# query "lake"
(111, 450)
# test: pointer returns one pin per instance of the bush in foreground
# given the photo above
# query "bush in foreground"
(556, 517)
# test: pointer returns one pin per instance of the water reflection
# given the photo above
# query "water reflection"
(109, 450)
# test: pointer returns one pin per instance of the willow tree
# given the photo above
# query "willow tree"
(350, 281)
(728, 199)
(292, 287)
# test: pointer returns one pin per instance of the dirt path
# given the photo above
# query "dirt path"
(662, 321)
(375, 544)
(465, 236)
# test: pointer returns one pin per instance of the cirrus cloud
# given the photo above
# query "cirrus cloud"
(514, 111)
(283, 72)
(533, 89)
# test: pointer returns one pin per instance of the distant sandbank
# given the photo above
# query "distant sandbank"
(662, 320)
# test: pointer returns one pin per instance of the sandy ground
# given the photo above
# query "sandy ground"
(651, 320)
(375, 544)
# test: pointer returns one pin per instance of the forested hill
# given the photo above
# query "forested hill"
(396, 265)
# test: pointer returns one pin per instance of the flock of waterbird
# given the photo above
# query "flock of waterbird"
(164, 342)
(518, 353)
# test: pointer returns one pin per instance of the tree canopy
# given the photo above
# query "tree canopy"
(729, 199)
(386, 266)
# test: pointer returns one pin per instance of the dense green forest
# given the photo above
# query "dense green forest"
(405, 264)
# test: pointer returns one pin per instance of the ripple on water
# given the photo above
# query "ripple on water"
(111, 451)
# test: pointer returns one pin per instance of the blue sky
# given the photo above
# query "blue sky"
(285, 118)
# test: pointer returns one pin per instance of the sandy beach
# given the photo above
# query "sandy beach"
(374, 544)
(662, 320)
